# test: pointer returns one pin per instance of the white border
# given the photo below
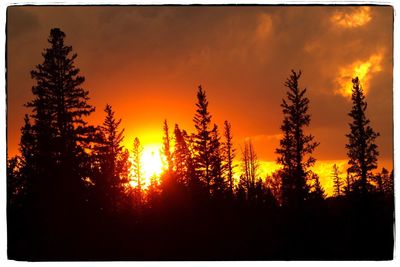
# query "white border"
(3, 229)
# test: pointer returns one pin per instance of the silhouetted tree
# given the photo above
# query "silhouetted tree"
(167, 147)
(218, 184)
(250, 167)
(182, 157)
(21, 169)
(60, 131)
(384, 180)
(317, 192)
(113, 162)
(228, 156)
(274, 183)
(202, 140)
(16, 185)
(137, 171)
(337, 183)
(295, 147)
(348, 184)
(361, 149)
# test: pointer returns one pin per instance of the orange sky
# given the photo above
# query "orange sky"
(148, 61)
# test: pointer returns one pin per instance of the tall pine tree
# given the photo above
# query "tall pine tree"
(228, 156)
(112, 160)
(361, 148)
(59, 127)
(202, 140)
(295, 147)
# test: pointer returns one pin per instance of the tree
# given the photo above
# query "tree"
(274, 183)
(317, 192)
(183, 162)
(16, 185)
(250, 166)
(59, 127)
(167, 147)
(112, 161)
(361, 148)
(348, 184)
(296, 148)
(337, 183)
(202, 140)
(228, 156)
(137, 168)
(387, 182)
(218, 183)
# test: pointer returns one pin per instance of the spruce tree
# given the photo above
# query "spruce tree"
(337, 183)
(317, 192)
(202, 140)
(112, 160)
(250, 167)
(218, 183)
(361, 148)
(296, 148)
(59, 127)
(137, 169)
(182, 157)
(167, 147)
(228, 156)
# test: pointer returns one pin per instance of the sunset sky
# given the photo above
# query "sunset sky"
(147, 62)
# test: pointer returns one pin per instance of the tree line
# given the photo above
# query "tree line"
(66, 165)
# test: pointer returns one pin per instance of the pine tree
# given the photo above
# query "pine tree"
(137, 169)
(337, 183)
(274, 184)
(228, 156)
(59, 127)
(317, 192)
(202, 140)
(295, 147)
(387, 182)
(361, 149)
(167, 147)
(218, 183)
(250, 166)
(182, 158)
(112, 161)
(16, 185)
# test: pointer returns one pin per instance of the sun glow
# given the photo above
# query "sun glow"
(151, 165)
(151, 160)
(361, 69)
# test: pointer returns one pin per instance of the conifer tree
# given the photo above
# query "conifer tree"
(202, 140)
(250, 167)
(228, 156)
(182, 157)
(137, 168)
(317, 192)
(167, 147)
(361, 148)
(337, 183)
(112, 161)
(59, 127)
(295, 151)
(218, 182)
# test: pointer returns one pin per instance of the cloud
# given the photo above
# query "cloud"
(364, 70)
(357, 17)
(264, 26)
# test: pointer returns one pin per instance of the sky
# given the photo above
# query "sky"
(147, 62)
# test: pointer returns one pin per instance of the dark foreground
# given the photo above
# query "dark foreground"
(335, 229)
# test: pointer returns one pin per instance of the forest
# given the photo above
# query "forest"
(74, 192)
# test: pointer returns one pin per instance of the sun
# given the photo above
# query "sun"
(151, 162)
